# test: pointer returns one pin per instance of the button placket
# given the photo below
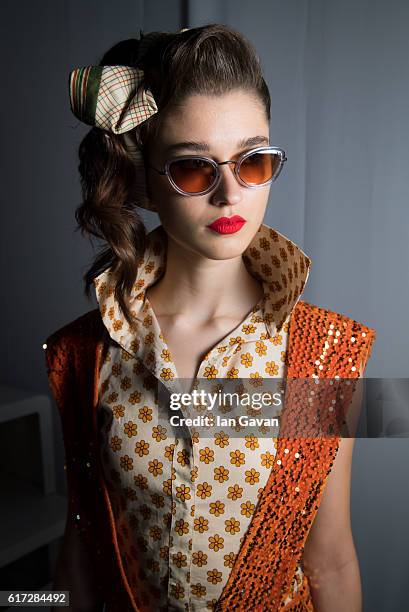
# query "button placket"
(181, 523)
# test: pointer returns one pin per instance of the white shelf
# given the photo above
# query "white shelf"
(32, 513)
(28, 519)
(18, 403)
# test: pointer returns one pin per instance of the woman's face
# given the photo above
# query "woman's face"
(222, 123)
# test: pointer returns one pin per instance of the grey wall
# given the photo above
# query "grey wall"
(337, 72)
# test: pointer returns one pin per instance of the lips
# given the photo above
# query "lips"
(227, 225)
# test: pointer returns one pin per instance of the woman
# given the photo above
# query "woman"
(175, 517)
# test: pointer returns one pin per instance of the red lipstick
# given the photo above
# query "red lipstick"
(227, 225)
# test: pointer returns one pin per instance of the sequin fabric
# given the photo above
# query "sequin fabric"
(265, 571)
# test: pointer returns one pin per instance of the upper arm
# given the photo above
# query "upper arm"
(330, 543)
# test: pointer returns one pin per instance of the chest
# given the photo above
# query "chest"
(189, 347)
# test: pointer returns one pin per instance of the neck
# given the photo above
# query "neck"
(198, 290)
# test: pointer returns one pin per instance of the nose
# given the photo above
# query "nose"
(228, 190)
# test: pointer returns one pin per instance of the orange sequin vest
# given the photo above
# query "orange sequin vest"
(321, 344)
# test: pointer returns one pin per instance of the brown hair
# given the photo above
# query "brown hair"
(212, 60)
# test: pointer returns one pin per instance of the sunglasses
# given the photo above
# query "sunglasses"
(195, 175)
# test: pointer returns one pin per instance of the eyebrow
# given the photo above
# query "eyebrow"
(201, 146)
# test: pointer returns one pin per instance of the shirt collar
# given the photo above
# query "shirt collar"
(281, 266)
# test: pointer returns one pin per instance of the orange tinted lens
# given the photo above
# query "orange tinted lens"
(258, 168)
(192, 175)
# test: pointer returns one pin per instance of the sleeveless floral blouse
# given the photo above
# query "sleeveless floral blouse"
(182, 504)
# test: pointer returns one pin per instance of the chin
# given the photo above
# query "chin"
(226, 246)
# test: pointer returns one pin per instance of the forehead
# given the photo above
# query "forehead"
(216, 120)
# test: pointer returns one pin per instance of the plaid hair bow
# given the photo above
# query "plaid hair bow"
(110, 97)
(115, 99)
